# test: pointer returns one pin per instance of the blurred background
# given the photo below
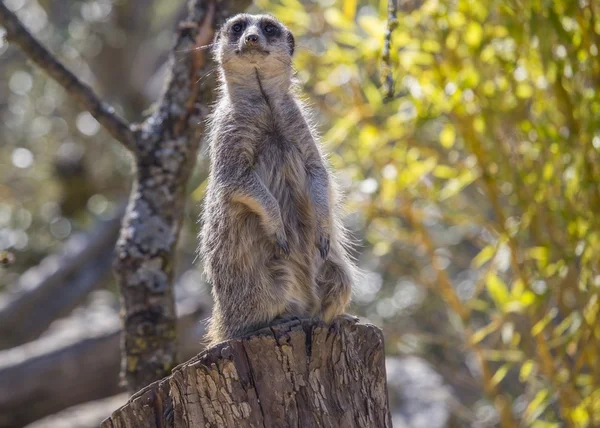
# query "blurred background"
(470, 159)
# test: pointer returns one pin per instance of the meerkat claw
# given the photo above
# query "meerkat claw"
(324, 243)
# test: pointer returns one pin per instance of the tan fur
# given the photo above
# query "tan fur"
(272, 242)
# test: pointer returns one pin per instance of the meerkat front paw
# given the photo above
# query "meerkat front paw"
(283, 245)
(323, 243)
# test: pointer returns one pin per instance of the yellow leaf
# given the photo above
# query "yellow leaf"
(524, 90)
(479, 124)
(368, 137)
(537, 405)
(335, 18)
(541, 324)
(500, 374)
(478, 305)
(527, 298)
(539, 253)
(497, 289)
(447, 136)
(430, 46)
(444, 171)
(484, 256)
(590, 311)
(456, 19)
(526, 370)
(473, 34)
(455, 185)
(483, 332)
(199, 191)
(349, 9)
(548, 172)
(373, 26)
(580, 416)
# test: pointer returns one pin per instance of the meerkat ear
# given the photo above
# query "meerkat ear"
(291, 42)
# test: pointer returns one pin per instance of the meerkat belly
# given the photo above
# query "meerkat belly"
(281, 167)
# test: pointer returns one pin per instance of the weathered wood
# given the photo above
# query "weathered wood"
(302, 373)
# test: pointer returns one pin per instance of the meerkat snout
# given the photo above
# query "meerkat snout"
(252, 42)
(252, 38)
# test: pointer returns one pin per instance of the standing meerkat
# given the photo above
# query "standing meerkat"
(272, 241)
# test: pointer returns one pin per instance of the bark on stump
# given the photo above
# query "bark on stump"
(301, 373)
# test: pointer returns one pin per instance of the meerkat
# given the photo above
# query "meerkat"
(272, 242)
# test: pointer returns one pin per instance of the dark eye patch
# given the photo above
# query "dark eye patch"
(270, 29)
(238, 27)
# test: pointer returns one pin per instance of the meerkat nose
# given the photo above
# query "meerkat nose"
(252, 38)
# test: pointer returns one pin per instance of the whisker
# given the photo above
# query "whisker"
(208, 73)
(301, 46)
(196, 48)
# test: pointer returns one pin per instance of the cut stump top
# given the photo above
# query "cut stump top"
(302, 373)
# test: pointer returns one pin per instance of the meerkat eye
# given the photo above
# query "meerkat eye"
(270, 28)
(237, 28)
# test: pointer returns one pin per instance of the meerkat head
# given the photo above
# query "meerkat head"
(248, 42)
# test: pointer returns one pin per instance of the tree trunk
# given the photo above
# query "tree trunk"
(298, 374)
(57, 285)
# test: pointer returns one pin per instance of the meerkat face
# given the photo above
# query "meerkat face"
(248, 41)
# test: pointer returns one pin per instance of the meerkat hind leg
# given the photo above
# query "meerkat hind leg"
(335, 282)
(252, 310)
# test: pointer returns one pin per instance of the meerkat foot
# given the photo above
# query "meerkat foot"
(284, 319)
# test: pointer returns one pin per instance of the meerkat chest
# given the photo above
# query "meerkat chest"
(279, 161)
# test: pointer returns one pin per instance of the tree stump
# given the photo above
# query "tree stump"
(302, 373)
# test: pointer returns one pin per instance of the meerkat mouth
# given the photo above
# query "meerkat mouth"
(253, 50)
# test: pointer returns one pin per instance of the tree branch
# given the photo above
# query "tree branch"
(58, 284)
(80, 361)
(82, 93)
